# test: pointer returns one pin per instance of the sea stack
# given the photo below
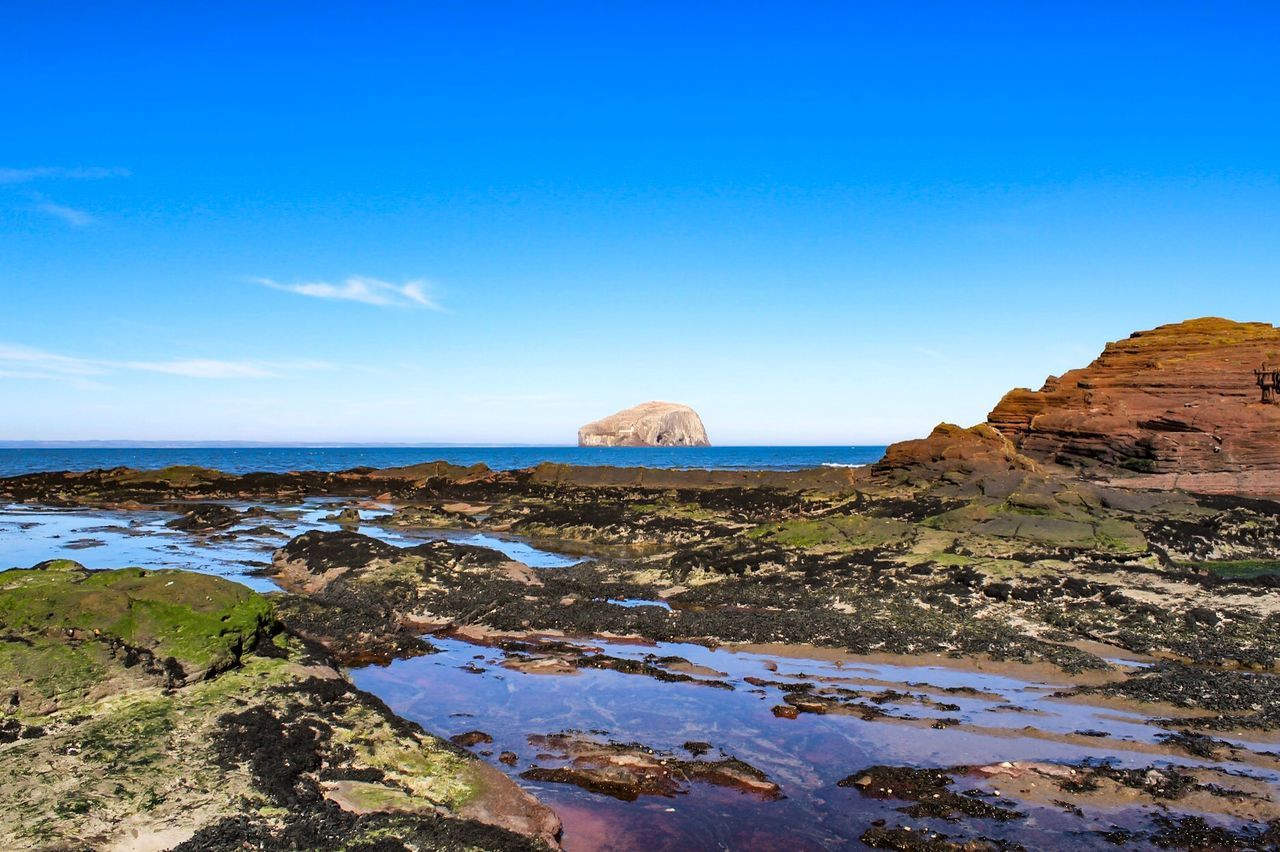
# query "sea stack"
(649, 424)
(1195, 400)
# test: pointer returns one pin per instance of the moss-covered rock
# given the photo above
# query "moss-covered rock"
(835, 533)
(150, 709)
(189, 625)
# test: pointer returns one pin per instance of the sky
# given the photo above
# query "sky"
(817, 223)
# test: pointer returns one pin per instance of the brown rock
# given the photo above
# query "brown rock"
(627, 771)
(502, 803)
(1179, 399)
(953, 448)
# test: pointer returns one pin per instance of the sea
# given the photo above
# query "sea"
(17, 461)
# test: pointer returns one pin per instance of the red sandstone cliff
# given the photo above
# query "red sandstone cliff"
(1179, 399)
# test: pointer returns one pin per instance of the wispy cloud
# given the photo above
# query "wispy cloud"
(527, 398)
(203, 368)
(73, 217)
(11, 175)
(25, 362)
(368, 291)
(208, 368)
(19, 357)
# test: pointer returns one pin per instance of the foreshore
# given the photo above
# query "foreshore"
(954, 554)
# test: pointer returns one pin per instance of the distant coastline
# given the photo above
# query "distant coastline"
(17, 458)
(186, 445)
(320, 445)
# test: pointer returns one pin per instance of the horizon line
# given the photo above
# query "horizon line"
(22, 444)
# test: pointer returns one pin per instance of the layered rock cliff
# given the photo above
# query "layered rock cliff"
(1178, 400)
(650, 424)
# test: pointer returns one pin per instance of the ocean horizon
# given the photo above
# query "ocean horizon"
(17, 458)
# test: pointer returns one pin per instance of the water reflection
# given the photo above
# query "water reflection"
(938, 715)
(988, 721)
(102, 538)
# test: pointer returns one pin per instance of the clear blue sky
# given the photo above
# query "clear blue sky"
(464, 221)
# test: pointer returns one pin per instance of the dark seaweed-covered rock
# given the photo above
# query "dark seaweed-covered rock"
(280, 751)
(1194, 744)
(1159, 783)
(904, 839)
(929, 790)
(354, 636)
(333, 828)
(207, 517)
(348, 517)
(320, 550)
(1239, 699)
(1193, 832)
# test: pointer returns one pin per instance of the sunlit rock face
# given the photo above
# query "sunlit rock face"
(1178, 400)
(650, 424)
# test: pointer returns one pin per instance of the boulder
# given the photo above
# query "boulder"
(179, 626)
(650, 424)
(952, 448)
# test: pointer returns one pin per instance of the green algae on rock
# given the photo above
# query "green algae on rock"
(151, 709)
(183, 625)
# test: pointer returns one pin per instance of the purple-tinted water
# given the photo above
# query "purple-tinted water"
(466, 687)
(806, 756)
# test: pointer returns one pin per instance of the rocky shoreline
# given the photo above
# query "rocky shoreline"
(956, 546)
(163, 699)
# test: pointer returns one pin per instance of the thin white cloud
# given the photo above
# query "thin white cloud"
(73, 217)
(25, 362)
(11, 175)
(367, 291)
(202, 368)
(13, 357)
(21, 374)
(529, 398)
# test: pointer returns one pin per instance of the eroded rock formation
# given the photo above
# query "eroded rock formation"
(649, 424)
(1180, 400)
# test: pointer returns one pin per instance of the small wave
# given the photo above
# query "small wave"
(842, 464)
